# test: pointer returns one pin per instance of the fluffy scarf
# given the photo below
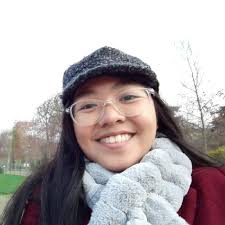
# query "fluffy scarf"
(147, 193)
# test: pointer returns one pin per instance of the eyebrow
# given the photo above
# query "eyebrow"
(89, 91)
(83, 93)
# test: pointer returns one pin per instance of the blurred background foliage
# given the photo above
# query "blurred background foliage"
(201, 117)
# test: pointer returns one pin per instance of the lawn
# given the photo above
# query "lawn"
(9, 183)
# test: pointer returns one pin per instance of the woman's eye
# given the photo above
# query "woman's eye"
(128, 98)
(87, 106)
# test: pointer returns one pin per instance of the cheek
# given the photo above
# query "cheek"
(83, 136)
(147, 126)
(148, 119)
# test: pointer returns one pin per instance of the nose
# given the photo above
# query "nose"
(110, 115)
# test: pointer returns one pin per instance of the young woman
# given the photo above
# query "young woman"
(121, 158)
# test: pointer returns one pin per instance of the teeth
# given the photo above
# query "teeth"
(116, 139)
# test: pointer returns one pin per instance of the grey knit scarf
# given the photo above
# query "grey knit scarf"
(147, 193)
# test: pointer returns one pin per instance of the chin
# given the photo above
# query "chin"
(118, 167)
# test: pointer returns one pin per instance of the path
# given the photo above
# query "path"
(3, 201)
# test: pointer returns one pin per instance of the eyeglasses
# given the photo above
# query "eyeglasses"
(130, 102)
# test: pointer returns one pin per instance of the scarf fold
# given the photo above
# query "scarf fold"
(147, 193)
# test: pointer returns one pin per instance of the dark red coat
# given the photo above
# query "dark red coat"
(203, 205)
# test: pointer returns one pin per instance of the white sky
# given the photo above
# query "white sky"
(40, 39)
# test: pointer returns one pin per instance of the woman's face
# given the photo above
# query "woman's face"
(136, 134)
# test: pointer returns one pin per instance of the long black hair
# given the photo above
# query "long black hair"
(61, 197)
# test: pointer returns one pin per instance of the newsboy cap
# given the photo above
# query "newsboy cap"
(106, 61)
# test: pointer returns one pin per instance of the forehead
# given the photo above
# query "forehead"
(96, 85)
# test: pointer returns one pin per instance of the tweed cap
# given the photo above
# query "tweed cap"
(106, 61)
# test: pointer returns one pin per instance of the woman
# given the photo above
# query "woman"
(121, 158)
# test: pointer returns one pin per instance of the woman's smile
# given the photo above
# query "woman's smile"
(120, 138)
(116, 143)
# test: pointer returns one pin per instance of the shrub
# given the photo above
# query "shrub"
(218, 154)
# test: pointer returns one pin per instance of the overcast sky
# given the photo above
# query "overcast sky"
(40, 39)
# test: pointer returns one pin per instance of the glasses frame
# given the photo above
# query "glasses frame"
(69, 110)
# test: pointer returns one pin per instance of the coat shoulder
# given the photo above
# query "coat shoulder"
(207, 176)
(204, 201)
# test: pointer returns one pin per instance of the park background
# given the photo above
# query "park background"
(183, 42)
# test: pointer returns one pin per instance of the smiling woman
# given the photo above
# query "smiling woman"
(120, 133)
(121, 158)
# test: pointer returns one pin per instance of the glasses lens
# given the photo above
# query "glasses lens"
(86, 112)
(131, 102)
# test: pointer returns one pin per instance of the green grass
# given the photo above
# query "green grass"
(9, 183)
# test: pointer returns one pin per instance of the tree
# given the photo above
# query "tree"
(47, 125)
(200, 103)
(5, 143)
(23, 144)
(218, 126)
(189, 129)
(11, 153)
